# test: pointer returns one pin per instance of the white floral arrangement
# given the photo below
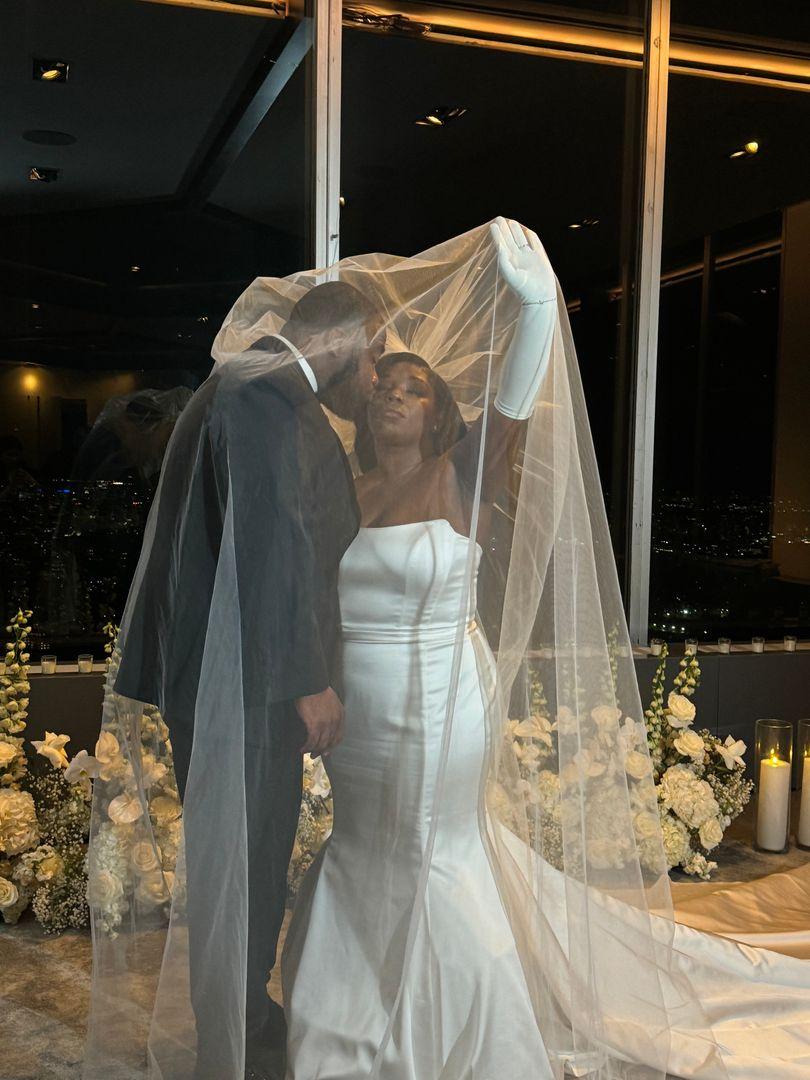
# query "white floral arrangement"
(700, 779)
(314, 822)
(44, 809)
(135, 847)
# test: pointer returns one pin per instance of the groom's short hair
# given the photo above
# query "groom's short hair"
(333, 304)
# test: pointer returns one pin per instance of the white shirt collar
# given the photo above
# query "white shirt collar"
(303, 363)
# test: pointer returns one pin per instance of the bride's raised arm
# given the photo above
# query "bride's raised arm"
(524, 266)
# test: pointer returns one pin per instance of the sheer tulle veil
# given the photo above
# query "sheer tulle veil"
(567, 810)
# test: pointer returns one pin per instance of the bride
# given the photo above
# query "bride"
(465, 1008)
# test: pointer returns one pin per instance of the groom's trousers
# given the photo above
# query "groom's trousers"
(273, 777)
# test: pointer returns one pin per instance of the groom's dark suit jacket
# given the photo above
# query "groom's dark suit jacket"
(264, 445)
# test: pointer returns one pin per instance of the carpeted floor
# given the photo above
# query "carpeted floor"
(45, 981)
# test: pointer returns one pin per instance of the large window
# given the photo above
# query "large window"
(175, 163)
(441, 137)
(174, 171)
(731, 542)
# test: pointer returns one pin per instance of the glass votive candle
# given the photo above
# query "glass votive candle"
(656, 646)
(772, 771)
(85, 663)
(48, 664)
(690, 646)
(803, 748)
(758, 644)
(790, 644)
(724, 644)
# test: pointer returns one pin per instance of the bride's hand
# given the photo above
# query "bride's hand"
(522, 262)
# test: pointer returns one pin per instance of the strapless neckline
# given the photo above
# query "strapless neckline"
(414, 524)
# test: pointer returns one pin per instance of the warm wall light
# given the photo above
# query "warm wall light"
(749, 149)
(30, 382)
(51, 70)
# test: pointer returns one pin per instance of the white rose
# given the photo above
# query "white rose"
(124, 809)
(535, 727)
(691, 745)
(647, 825)
(9, 895)
(8, 752)
(144, 857)
(164, 809)
(18, 822)
(606, 716)
(152, 771)
(104, 889)
(637, 764)
(152, 888)
(50, 867)
(711, 833)
(681, 710)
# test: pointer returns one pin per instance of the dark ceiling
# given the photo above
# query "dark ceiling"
(154, 89)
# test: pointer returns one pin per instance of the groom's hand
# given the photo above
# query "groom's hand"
(322, 715)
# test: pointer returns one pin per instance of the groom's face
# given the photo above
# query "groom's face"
(348, 394)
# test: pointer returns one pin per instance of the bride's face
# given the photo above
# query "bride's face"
(402, 409)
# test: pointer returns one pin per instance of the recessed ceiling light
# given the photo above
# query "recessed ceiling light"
(49, 138)
(51, 70)
(748, 150)
(440, 116)
(43, 175)
(135, 269)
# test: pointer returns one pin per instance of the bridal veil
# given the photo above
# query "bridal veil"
(567, 805)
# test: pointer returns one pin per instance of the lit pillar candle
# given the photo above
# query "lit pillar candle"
(803, 835)
(773, 803)
(85, 664)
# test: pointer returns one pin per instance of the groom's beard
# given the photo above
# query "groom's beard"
(340, 395)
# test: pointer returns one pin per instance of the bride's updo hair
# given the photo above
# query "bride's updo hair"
(449, 424)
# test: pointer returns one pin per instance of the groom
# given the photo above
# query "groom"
(280, 441)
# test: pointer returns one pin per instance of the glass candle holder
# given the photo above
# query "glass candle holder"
(690, 646)
(656, 646)
(758, 644)
(803, 750)
(790, 644)
(85, 663)
(724, 644)
(772, 771)
(48, 664)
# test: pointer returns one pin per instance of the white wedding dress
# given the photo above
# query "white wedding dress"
(465, 1012)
